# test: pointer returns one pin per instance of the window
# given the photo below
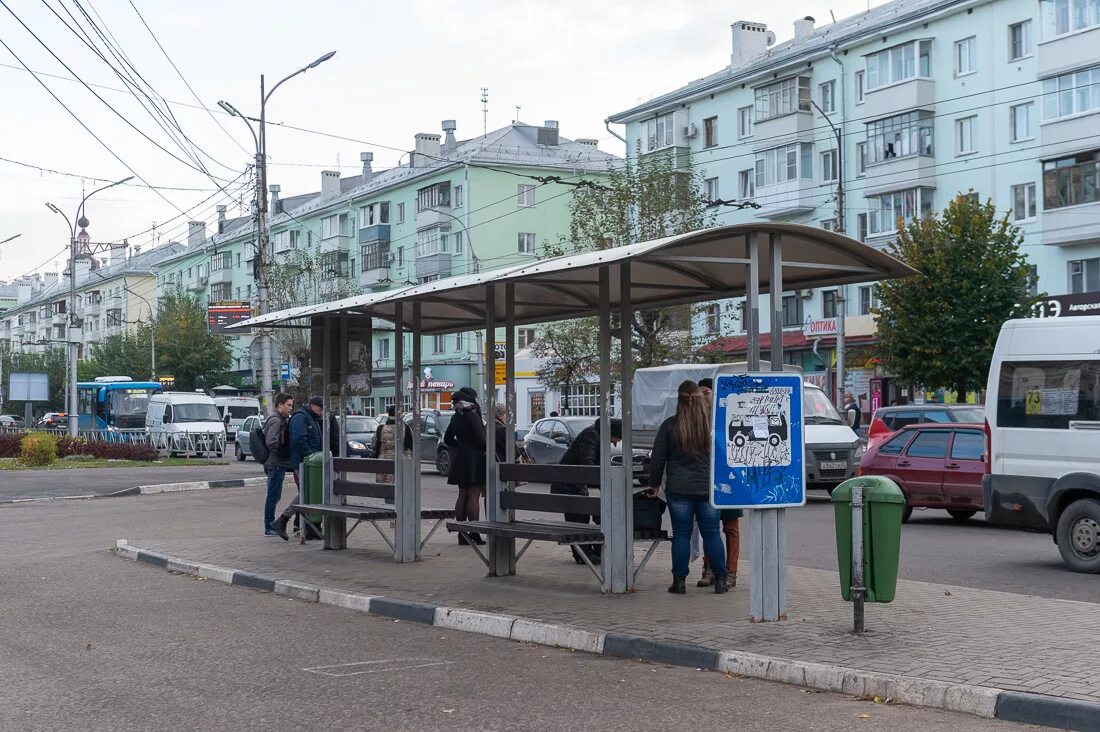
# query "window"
(332, 226)
(333, 265)
(901, 136)
(382, 348)
(238, 259)
(459, 243)
(1023, 202)
(895, 444)
(828, 166)
(374, 214)
(712, 317)
(710, 186)
(1048, 394)
(1022, 117)
(782, 97)
(744, 122)
(1084, 276)
(964, 136)
(828, 304)
(828, 97)
(1066, 16)
(861, 85)
(400, 213)
(526, 243)
(433, 196)
(660, 132)
(400, 256)
(375, 255)
(1032, 280)
(584, 401)
(889, 210)
(221, 292)
(1019, 40)
(220, 261)
(829, 224)
(430, 242)
(457, 198)
(710, 131)
(525, 337)
(968, 445)
(460, 345)
(1071, 94)
(782, 164)
(868, 299)
(746, 185)
(929, 444)
(438, 344)
(899, 63)
(525, 195)
(966, 56)
(792, 311)
(1071, 180)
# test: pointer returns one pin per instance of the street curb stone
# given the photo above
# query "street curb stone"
(981, 701)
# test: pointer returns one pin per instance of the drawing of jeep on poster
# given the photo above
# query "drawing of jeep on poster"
(742, 432)
(758, 427)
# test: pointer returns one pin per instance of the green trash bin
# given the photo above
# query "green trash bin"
(883, 505)
(311, 482)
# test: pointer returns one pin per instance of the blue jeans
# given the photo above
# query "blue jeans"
(684, 511)
(275, 475)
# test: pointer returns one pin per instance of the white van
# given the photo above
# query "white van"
(185, 423)
(234, 410)
(1043, 433)
(833, 450)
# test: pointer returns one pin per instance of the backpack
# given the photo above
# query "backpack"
(258, 444)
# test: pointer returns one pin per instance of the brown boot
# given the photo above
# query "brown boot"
(707, 579)
(731, 579)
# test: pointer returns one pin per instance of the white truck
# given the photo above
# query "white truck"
(833, 450)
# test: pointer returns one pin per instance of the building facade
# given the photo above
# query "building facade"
(928, 99)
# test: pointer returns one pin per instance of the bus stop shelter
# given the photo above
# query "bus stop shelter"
(731, 261)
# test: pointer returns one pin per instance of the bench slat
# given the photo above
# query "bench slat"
(530, 530)
(369, 513)
(520, 501)
(363, 465)
(584, 474)
(362, 490)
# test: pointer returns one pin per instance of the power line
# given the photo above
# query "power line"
(51, 171)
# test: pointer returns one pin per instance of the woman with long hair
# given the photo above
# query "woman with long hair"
(465, 437)
(681, 455)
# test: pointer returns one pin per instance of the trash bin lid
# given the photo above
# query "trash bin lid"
(876, 489)
(314, 458)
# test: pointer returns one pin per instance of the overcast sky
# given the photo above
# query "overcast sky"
(400, 68)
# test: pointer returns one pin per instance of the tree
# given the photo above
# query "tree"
(126, 354)
(569, 354)
(939, 328)
(649, 197)
(54, 360)
(185, 347)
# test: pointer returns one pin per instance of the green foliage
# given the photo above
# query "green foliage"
(53, 361)
(38, 449)
(125, 354)
(185, 347)
(569, 353)
(939, 328)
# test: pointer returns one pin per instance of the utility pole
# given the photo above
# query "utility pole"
(259, 269)
(841, 300)
(484, 110)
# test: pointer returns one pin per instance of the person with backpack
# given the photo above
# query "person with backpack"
(306, 437)
(276, 442)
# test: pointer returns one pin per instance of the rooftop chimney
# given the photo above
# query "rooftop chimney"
(548, 133)
(196, 233)
(449, 127)
(276, 204)
(367, 158)
(330, 183)
(750, 39)
(221, 224)
(803, 28)
(427, 145)
(550, 124)
(587, 141)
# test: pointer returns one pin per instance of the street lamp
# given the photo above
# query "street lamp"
(79, 246)
(260, 267)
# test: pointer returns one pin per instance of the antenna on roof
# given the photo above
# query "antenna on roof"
(517, 112)
(484, 110)
(832, 15)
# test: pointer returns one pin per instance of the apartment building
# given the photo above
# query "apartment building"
(929, 99)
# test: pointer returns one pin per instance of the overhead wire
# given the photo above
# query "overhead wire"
(51, 171)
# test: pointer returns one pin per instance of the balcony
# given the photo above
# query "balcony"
(221, 277)
(197, 285)
(375, 233)
(785, 199)
(436, 216)
(1071, 204)
(887, 101)
(339, 243)
(1068, 135)
(1064, 53)
(897, 173)
(783, 129)
(376, 260)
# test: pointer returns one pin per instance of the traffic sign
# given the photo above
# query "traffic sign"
(758, 458)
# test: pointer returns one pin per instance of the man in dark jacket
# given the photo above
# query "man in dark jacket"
(585, 450)
(278, 458)
(306, 438)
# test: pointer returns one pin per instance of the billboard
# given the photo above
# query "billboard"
(220, 315)
(25, 386)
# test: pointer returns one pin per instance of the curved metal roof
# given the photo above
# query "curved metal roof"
(687, 268)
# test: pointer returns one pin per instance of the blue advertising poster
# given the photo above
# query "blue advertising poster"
(758, 457)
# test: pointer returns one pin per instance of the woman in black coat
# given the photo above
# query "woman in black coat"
(465, 437)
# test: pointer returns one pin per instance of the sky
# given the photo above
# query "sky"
(399, 69)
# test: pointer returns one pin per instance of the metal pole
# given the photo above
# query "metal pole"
(841, 307)
(404, 551)
(261, 227)
(72, 408)
(614, 573)
(622, 515)
(858, 589)
(411, 502)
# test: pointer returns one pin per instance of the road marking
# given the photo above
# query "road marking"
(375, 667)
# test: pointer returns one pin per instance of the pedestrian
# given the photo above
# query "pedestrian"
(585, 450)
(465, 437)
(384, 444)
(852, 412)
(278, 457)
(681, 455)
(306, 438)
(730, 517)
(500, 420)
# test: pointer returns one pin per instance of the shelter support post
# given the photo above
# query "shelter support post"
(406, 541)
(767, 527)
(327, 369)
(502, 551)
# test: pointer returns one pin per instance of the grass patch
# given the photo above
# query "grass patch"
(80, 464)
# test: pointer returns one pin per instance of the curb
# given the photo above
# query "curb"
(150, 490)
(981, 701)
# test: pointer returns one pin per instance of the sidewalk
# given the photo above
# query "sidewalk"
(941, 633)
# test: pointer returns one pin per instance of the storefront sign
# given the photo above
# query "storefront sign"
(1062, 306)
(822, 327)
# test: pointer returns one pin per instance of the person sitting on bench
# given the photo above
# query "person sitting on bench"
(585, 450)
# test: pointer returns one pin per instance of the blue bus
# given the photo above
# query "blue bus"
(114, 402)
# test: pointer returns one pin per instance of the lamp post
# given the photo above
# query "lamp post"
(153, 336)
(260, 263)
(79, 247)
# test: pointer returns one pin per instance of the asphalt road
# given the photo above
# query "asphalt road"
(97, 643)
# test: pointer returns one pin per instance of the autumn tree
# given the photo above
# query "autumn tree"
(568, 352)
(186, 349)
(938, 328)
(123, 354)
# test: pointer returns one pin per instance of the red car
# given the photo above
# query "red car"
(888, 420)
(936, 465)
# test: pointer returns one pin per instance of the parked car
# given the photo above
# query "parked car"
(234, 410)
(185, 422)
(52, 421)
(935, 465)
(433, 425)
(359, 433)
(549, 438)
(888, 420)
(11, 421)
(1042, 423)
(244, 445)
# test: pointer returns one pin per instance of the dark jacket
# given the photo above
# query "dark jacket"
(273, 433)
(584, 450)
(305, 436)
(687, 475)
(465, 437)
(500, 445)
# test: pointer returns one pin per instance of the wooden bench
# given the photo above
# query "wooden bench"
(336, 532)
(563, 533)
